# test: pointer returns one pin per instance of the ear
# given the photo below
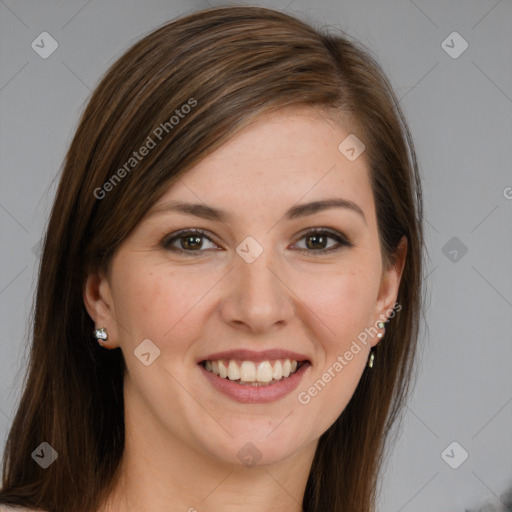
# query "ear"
(390, 283)
(97, 298)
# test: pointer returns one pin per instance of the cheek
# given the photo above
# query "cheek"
(163, 305)
(345, 303)
(148, 302)
(345, 306)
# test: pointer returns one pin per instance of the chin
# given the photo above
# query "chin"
(249, 451)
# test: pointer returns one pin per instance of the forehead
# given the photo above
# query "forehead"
(290, 156)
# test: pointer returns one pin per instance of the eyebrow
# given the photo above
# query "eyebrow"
(301, 210)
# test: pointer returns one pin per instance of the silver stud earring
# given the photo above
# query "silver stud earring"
(100, 334)
(380, 325)
(371, 359)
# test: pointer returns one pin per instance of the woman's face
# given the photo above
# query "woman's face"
(256, 288)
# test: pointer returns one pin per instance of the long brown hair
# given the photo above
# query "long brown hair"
(229, 65)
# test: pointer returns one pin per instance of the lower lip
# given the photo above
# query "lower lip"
(256, 394)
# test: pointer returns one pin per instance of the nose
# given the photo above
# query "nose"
(257, 298)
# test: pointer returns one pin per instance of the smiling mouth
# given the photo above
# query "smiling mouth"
(249, 373)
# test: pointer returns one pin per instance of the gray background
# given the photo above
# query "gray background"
(459, 110)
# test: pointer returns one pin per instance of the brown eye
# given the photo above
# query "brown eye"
(317, 241)
(191, 242)
(188, 241)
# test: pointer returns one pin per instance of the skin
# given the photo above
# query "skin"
(182, 436)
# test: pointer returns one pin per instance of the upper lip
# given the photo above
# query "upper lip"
(251, 355)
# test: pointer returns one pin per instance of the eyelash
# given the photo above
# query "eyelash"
(342, 241)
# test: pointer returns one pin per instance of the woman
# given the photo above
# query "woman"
(239, 224)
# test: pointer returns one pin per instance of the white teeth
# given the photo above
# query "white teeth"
(247, 372)
(223, 371)
(264, 373)
(278, 370)
(251, 372)
(287, 368)
(233, 371)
